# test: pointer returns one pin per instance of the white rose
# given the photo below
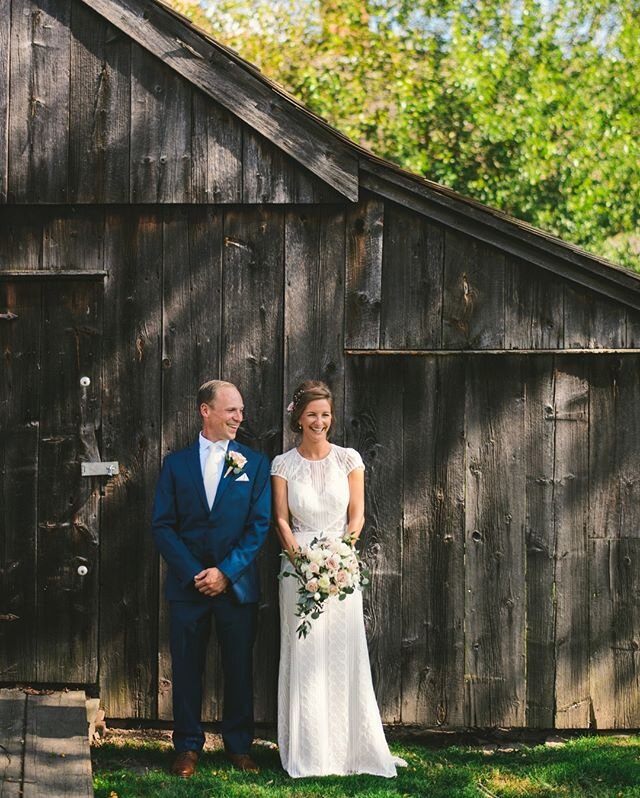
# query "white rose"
(324, 582)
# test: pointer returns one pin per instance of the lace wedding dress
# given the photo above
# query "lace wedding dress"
(328, 719)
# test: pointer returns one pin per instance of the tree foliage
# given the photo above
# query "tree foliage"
(530, 106)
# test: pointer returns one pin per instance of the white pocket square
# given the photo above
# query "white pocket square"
(242, 478)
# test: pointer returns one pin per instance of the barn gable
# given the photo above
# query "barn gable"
(93, 116)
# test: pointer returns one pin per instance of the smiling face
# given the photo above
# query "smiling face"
(315, 421)
(223, 415)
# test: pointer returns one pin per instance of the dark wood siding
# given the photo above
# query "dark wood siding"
(93, 117)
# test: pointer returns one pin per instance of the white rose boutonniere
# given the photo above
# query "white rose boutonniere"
(235, 462)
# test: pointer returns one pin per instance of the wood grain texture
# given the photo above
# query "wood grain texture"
(238, 89)
(55, 729)
(131, 434)
(252, 350)
(20, 405)
(473, 299)
(539, 487)
(72, 238)
(433, 542)
(21, 239)
(39, 101)
(495, 545)
(191, 318)
(99, 109)
(12, 718)
(615, 633)
(592, 321)
(373, 426)
(160, 131)
(365, 233)
(533, 307)
(412, 273)
(5, 40)
(217, 152)
(614, 441)
(270, 175)
(314, 306)
(68, 524)
(571, 417)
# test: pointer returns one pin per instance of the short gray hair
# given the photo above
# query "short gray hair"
(208, 391)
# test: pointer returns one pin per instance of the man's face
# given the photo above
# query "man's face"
(222, 417)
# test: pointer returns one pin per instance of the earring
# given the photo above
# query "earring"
(299, 427)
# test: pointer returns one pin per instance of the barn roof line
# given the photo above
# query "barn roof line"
(337, 160)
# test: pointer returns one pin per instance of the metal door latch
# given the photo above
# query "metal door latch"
(100, 469)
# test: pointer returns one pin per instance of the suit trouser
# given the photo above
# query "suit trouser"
(236, 630)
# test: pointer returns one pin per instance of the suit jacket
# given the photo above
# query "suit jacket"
(191, 537)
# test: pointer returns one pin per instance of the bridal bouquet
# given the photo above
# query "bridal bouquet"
(324, 569)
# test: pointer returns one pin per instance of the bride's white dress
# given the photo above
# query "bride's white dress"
(328, 718)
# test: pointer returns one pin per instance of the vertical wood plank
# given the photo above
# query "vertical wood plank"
(21, 238)
(253, 274)
(539, 457)
(12, 717)
(270, 175)
(73, 238)
(633, 329)
(365, 232)
(68, 524)
(39, 101)
(412, 263)
(533, 308)
(5, 39)
(614, 441)
(495, 550)
(591, 321)
(160, 131)
(99, 109)
(55, 729)
(314, 304)
(374, 425)
(131, 435)
(615, 632)
(572, 566)
(433, 543)
(474, 293)
(19, 432)
(191, 319)
(217, 152)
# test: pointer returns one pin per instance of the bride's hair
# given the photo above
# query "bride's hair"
(308, 391)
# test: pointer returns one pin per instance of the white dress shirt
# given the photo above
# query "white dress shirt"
(220, 449)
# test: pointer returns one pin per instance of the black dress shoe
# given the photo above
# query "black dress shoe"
(184, 765)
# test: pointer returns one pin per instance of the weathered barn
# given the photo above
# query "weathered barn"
(169, 215)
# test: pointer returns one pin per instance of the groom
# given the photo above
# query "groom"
(210, 518)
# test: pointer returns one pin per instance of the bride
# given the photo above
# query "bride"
(328, 719)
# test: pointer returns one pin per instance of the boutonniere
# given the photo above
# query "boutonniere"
(235, 462)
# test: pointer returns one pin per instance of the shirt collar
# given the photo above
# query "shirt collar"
(206, 444)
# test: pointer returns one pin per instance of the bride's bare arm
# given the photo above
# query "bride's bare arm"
(355, 512)
(281, 515)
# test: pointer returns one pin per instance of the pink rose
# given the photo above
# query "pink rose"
(311, 586)
(314, 567)
(333, 563)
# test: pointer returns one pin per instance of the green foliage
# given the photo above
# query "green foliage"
(589, 767)
(530, 106)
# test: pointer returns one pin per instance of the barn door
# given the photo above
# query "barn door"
(50, 408)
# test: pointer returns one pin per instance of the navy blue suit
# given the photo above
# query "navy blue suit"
(190, 538)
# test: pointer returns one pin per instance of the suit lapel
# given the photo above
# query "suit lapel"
(224, 481)
(193, 460)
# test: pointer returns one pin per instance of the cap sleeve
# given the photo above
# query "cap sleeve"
(279, 466)
(352, 460)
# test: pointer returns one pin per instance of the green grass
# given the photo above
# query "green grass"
(596, 767)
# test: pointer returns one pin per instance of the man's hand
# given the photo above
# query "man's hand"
(211, 582)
